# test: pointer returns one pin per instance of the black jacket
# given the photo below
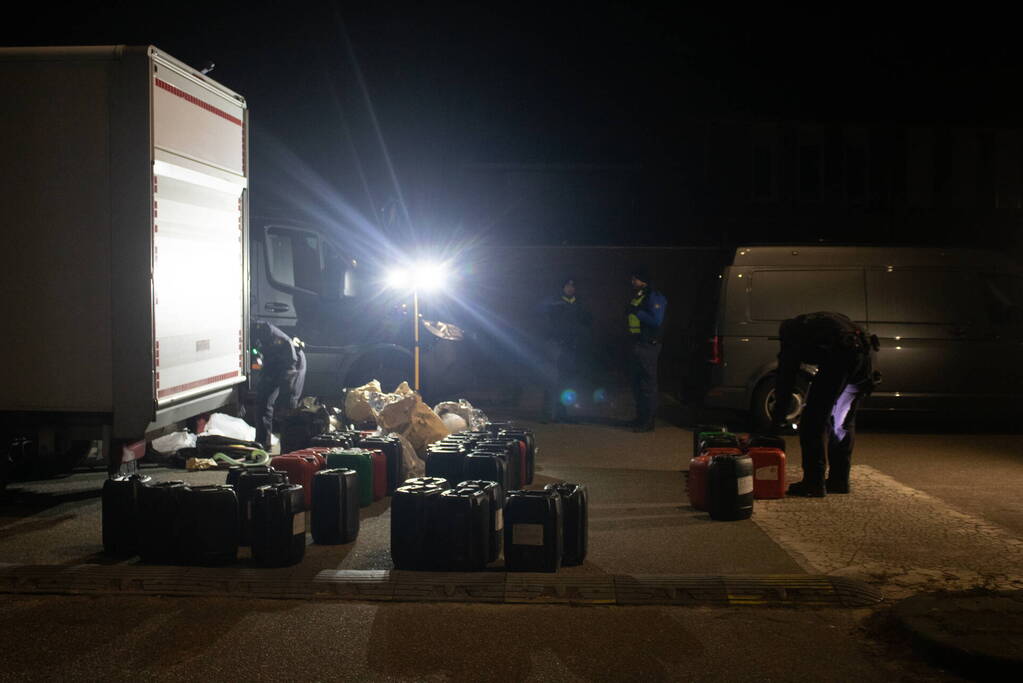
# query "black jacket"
(566, 322)
(280, 354)
(817, 339)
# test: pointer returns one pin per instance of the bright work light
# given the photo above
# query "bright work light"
(429, 277)
(399, 279)
(422, 277)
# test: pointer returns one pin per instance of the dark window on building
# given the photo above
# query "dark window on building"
(920, 168)
(763, 173)
(856, 174)
(810, 172)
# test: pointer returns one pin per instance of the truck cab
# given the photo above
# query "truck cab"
(304, 281)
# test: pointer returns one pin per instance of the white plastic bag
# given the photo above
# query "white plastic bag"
(455, 423)
(222, 424)
(233, 427)
(172, 443)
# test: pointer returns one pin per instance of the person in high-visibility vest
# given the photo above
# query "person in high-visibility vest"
(645, 318)
(567, 321)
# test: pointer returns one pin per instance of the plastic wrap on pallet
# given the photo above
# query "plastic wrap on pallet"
(474, 418)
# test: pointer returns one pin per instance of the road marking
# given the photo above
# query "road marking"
(893, 536)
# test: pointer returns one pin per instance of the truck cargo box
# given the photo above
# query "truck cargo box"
(125, 176)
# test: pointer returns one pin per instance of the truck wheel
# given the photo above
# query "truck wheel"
(22, 457)
(763, 405)
(71, 455)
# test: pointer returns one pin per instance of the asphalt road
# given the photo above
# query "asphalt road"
(929, 511)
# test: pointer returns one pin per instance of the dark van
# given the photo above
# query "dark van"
(949, 322)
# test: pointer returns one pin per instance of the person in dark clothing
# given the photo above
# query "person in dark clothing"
(567, 321)
(646, 317)
(842, 352)
(283, 371)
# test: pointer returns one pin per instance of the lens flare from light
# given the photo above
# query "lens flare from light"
(599, 395)
(398, 279)
(429, 277)
(569, 397)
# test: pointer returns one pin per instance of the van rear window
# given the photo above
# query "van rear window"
(783, 294)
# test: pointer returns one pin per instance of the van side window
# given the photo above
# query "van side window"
(920, 296)
(783, 294)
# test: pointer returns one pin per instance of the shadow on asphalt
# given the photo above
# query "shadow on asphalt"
(17, 503)
(523, 636)
(7, 531)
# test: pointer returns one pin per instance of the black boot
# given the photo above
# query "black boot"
(837, 486)
(806, 489)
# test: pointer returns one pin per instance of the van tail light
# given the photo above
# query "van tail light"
(714, 357)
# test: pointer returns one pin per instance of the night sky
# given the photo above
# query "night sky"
(564, 84)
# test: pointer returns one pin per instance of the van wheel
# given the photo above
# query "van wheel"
(763, 405)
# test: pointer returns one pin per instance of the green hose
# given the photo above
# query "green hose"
(257, 456)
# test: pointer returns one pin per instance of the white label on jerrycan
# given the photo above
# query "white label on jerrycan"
(527, 534)
(499, 519)
(744, 485)
(298, 524)
(767, 473)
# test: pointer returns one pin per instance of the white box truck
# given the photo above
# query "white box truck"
(123, 187)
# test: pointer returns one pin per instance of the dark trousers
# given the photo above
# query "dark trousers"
(643, 376)
(561, 372)
(272, 385)
(827, 427)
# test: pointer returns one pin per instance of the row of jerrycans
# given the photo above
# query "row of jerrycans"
(377, 459)
(332, 496)
(500, 453)
(171, 522)
(436, 526)
(728, 471)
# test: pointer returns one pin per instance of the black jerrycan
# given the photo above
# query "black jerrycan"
(730, 487)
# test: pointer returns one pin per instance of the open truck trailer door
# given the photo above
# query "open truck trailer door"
(126, 188)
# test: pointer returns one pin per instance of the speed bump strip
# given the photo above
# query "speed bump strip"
(550, 588)
(154, 580)
(448, 586)
(769, 590)
(814, 591)
(356, 584)
(668, 589)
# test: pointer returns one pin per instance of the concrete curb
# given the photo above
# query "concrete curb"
(977, 633)
(782, 590)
